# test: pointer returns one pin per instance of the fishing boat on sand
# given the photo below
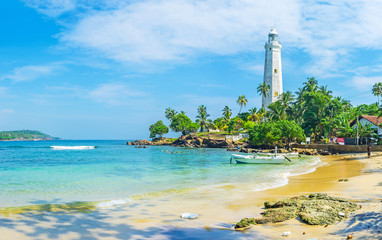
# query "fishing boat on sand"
(264, 158)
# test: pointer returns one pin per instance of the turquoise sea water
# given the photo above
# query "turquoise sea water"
(35, 173)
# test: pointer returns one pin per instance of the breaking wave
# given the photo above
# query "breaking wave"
(72, 147)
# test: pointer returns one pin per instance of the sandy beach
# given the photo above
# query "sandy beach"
(219, 208)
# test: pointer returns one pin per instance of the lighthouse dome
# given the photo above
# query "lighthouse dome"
(273, 31)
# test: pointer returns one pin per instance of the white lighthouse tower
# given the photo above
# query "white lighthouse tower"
(272, 68)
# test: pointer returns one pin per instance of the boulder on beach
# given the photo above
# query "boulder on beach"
(315, 209)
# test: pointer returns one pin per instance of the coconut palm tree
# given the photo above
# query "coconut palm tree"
(253, 115)
(202, 120)
(263, 90)
(242, 101)
(310, 85)
(227, 112)
(170, 113)
(377, 90)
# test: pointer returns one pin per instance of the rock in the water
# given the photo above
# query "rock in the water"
(189, 215)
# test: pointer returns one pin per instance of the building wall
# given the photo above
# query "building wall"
(273, 71)
(364, 122)
(339, 148)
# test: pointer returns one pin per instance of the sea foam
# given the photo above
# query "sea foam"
(113, 203)
(72, 147)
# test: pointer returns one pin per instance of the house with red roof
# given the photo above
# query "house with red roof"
(374, 122)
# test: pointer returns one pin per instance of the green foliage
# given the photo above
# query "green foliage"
(377, 90)
(263, 89)
(227, 112)
(170, 113)
(219, 123)
(242, 101)
(202, 120)
(25, 135)
(234, 124)
(249, 125)
(181, 123)
(273, 133)
(244, 115)
(157, 130)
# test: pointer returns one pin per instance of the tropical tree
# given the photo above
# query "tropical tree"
(274, 133)
(170, 113)
(157, 130)
(234, 124)
(263, 89)
(227, 112)
(181, 123)
(377, 90)
(311, 85)
(242, 101)
(276, 111)
(219, 123)
(202, 120)
(253, 115)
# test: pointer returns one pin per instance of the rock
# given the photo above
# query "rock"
(349, 237)
(315, 209)
(189, 215)
(286, 234)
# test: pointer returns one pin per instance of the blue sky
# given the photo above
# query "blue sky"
(92, 69)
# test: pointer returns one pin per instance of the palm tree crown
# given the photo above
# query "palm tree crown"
(227, 112)
(242, 101)
(263, 90)
(377, 90)
(202, 118)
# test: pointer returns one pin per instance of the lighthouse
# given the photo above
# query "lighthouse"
(272, 68)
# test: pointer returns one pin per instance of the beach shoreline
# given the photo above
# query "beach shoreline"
(158, 216)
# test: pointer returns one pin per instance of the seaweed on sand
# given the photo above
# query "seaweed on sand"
(315, 209)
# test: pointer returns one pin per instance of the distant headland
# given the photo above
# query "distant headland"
(25, 135)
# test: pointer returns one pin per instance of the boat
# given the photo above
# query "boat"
(259, 159)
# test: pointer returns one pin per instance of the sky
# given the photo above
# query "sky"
(107, 69)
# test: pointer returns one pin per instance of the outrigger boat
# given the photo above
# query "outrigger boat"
(263, 158)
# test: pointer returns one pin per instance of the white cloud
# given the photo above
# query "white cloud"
(52, 8)
(114, 94)
(364, 83)
(176, 30)
(31, 72)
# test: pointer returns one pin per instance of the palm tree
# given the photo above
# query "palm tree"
(170, 113)
(310, 85)
(242, 101)
(263, 90)
(253, 115)
(227, 113)
(276, 111)
(325, 91)
(377, 90)
(202, 120)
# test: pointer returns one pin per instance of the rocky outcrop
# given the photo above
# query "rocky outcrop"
(193, 141)
(164, 141)
(199, 142)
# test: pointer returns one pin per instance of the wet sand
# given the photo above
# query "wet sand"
(157, 217)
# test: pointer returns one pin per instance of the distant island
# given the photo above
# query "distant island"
(25, 135)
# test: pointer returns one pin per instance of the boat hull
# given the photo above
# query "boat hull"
(257, 159)
(260, 161)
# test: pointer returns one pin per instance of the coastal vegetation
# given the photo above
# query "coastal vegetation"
(24, 135)
(313, 111)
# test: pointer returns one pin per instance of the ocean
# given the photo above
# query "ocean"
(110, 172)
